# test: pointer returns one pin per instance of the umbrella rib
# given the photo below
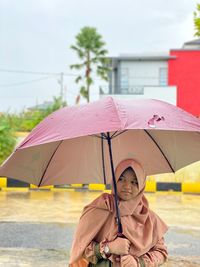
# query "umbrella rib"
(49, 163)
(102, 136)
(159, 149)
(118, 134)
(113, 135)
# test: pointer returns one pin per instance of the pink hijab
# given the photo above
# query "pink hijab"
(98, 221)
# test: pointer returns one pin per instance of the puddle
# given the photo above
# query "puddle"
(33, 213)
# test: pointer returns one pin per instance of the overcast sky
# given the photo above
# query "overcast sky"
(35, 36)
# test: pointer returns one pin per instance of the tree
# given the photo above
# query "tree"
(90, 50)
(27, 120)
(31, 118)
(7, 137)
(197, 21)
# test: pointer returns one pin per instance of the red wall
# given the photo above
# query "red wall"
(184, 73)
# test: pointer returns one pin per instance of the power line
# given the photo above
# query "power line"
(59, 74)
(37, 72)
(25, 82)
(44, 73)
(29, 72)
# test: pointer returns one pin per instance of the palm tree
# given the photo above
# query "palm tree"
(90, 49)
(197, 20)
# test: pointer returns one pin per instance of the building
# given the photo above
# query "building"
(184, 73)
(172, 77)
(140, 76)
(44, 106)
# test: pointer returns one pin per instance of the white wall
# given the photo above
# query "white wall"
(167, 94)
(143, 72)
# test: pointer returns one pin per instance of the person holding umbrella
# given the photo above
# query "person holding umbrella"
(97, 240)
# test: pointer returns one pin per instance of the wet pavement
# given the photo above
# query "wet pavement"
(36, 227)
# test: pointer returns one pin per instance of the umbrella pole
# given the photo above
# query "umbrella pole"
(103, 161)
(114, 184)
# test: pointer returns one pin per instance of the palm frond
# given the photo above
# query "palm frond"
(84, 92)
(78, 79)
(77, 66)
(102, 52)
(78, 50)
(89, 80)
(104, 68)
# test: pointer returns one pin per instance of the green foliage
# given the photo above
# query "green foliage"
(27, 120)
(84, 92)
(7, 137)
(30, 118)
(24, 121)
(90, 50)
(197, 21)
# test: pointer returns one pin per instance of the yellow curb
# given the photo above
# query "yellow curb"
(191, 188)
(32, 186)
(3, 182)
(99, 187)
(77, 185)
(150, 186)
(187, 187)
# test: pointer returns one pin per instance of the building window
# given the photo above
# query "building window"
(136, 90)
(124, 81)
(163, 76)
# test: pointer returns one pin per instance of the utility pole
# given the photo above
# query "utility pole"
(61, 82)
(62, 85)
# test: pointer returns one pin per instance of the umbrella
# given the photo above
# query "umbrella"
(82, 144)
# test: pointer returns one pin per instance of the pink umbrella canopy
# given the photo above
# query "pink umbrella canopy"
(70, 146)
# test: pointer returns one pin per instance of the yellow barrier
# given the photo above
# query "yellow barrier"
(98, 187)
(77, 185)
(150, 186)
(3, 182)
(186, 187)
(191, 188)
(41, 187)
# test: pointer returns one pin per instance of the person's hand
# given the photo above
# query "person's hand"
(120, 246)
(128, 261)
